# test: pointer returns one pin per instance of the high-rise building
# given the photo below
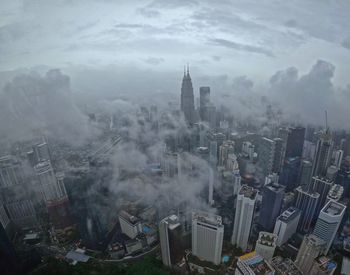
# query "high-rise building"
(278, 155)
(266, 155)
(343, 177)
(236, 182)
(332, 172)
(245, 207)
(171, 240)
(328, 222)
(204, 101)
(295, 142)
(286, 225)
(306, 201)
(289, 175)
(335, 193)
(323, 154)
(311, 247)
(207, 236)
(187, 98)
(271, 205)
(338, 158)
(305, 173)
(129, 224)
(321, 186)
(11, 172)
(266, 245)
(225, 149)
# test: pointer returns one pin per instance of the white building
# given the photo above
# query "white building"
(266, 245)
(130, 225)
(244, 215)
(207, 236)
(286, 225)
(236, 182)
(311, 247)
(170, 242)
(338, 158)
(335, 193)
(328, 222)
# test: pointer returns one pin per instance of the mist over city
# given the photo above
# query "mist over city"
(174, 137)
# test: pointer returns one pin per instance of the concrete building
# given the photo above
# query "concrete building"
(278, 155)
(338, 158)
(266, 245)
(271, 205)
(311, 247)
(170, 240)
(328, 222)
(130, 225)
(248, 150)
(284, 266)
(306, 201)
(204, 101)
(225, 149)
(245, 207)
(266, 155)
(286, 225)
(207, 236)
(336, 193)
(236, 182)
(252, 263)
(322, 265)
(305, 173)
(295, 142)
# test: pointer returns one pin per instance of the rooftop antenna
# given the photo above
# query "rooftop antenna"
(326, 119)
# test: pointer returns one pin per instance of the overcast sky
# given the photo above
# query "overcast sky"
(237, 37)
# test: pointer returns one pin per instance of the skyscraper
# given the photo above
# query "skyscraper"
(207, 236)
(204, 101)
(321, 186)
(338, 158)
(266, 245)
(295, 142)
(328, 222)
(323, 154)
(286, 225)
(307, 202)
(305, 172)
(266, 155)
(278, 155)
(187, 98)
(245, 207)
(271, 205)
(170, 240)
(311, 247)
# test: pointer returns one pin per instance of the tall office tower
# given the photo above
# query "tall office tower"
(51, 189)
(286, 225)
(207, 236)
(305, 172)
(295, 142)
(289, 175)
(271, 205)
(248, 150)
(225, 149)
(271, 178)
(211, 186)
(332, 172)
(204, 101)
(284, 266)
(322, 187)
(236, 182)
(245, 206)
(278, 155)
(231, 163)
(335, 193)
(129, 224)
(11, 172)
(212, 115)
(215, 140)
(171, 240)
(323, 154)
(343, 177)
(338, 158)
(311, 247)
(323, 266)
(266, 155)
(40, 152)
(328, 222)
(9, 263)
(187, 98)
(266, 245)
(307, 202)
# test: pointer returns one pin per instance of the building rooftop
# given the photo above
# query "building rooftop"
(248, 192)
(254, 263)
(172, 221)
(77, 256)
(325, 264)
(336, 192)
(285, 266)
(208, 218)
(129, 218)
(333, 208)
(266, 238)
(289, 214)
(274, 186)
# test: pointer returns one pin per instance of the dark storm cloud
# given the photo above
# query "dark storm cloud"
(240, 47)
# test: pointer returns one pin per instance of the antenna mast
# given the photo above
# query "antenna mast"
(326, 117)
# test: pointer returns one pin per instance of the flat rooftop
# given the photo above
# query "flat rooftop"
(248, 192)
(208, 218)
(285, 266)
(333, 208)
(289, 214)
(256, 263)
(129, 218)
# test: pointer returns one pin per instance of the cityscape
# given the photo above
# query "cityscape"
(188, 170)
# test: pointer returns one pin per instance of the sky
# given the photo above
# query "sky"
(237, 37)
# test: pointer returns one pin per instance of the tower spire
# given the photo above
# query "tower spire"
(188, 69)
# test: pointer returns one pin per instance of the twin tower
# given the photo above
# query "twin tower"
(187, 97)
